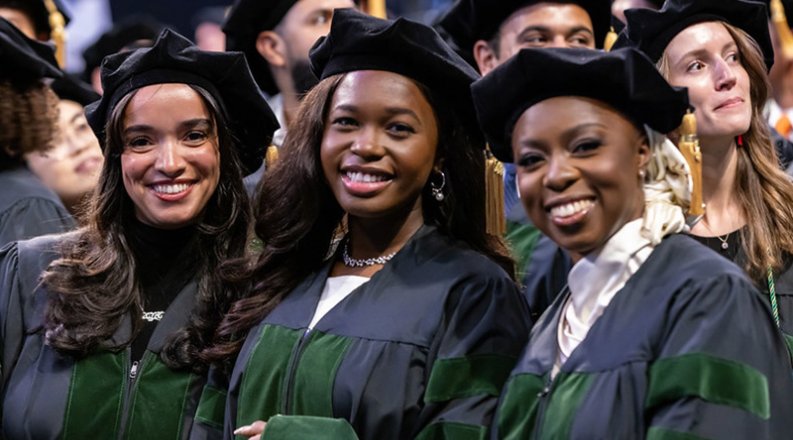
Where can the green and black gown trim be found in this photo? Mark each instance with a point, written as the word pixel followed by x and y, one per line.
pixel 47 395
pixel 421 351
pixel 686 349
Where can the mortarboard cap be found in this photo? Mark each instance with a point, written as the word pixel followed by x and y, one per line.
pixel 25 60
pixel 624 78
pixel 125 35
pixel 361 42
pixel 468 21
pixel 245 21
pixel 651 31
pixel 38 13
pixel 71 88
pixel 174 59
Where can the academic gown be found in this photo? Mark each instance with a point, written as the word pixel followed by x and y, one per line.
pixel 686 349
pixel 783 280
pixel 421 350
pixel 47 395
pixel 28 208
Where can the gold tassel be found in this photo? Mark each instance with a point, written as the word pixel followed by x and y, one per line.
pixel 58 34
pixel 271 156
pixel 611 38
pixel 375 8
pixel 494 195
pixel 689 146
pixel 783 30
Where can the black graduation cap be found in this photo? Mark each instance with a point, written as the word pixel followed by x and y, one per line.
pixel 624 78
pixel 124 34
pixel 245 21
pixel 209 14
pixel 74 89
pixel 38 13
pixel 174 59
pixel 361 42
pixel 651 31
pixel 25 60
pixel 468 21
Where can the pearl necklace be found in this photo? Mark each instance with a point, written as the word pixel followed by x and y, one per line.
pixel 353 262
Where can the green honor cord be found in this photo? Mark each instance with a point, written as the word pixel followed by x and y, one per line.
pixel 772 295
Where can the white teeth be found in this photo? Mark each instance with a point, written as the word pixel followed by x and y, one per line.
pixel 365 178
pixel 569 209
pixel 171 189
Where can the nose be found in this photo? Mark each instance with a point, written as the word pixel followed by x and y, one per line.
pixel 169 159
pixel 367 144
pixel 558 41
pixel 560 173
pixel 725 76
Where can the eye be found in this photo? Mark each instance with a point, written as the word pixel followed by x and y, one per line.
pixel 534 39
pixel 733 57
pixel 344 122
pixel 137 142
pixel 400 129
pixel 587 146
pixel 321 18
pixel 580 40
pixel 695 66
pixel 195 137
pixel 529 161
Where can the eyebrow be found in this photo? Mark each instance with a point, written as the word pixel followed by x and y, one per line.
pixel 540 28
pixel 702 51
pixel 190 123
pixel 570 132
pixel 392 111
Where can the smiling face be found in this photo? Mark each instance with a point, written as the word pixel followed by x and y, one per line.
pixel 578 170
pixel 170 163
pixel 379 144
pixel 71 167
pixel 705 59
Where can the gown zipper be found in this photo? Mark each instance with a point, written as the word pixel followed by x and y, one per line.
pixel 542 402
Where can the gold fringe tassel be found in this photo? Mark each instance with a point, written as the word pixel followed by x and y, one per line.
pixel 782 28
pixel 375 8
pixel 494 195
pixel 271 156
pixel 58 33
pixel 689 146
pixel 611 38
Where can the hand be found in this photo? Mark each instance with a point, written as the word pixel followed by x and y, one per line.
pixel 253 431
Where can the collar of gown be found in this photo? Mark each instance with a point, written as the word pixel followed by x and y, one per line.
pixel 595 279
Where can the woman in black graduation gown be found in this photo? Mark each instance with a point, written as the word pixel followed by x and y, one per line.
pixel 721 51
pixel 101 328
pixel 28 114
pixel 655 336
pixel 407 326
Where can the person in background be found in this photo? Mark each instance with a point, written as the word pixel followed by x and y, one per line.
pixel 405 324
pixel 28 114
pixel 207 28
pixel 110 319
pixel 71 167
pixel 129 34
pixel 722 53
pixel 275 36
pixel 655 336
pixel 618 7
pixel 779 108
pixel 32 17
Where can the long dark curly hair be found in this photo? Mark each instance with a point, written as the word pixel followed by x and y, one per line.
pixel 28 115
pixel 94 284
pixel 298 214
